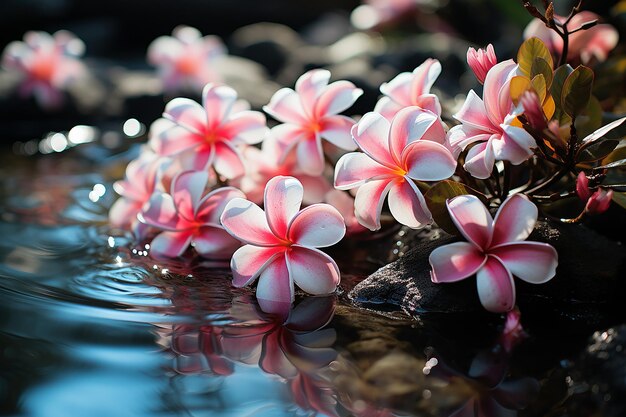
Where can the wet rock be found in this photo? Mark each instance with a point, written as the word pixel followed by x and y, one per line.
pixel 598 381
pixel 588 276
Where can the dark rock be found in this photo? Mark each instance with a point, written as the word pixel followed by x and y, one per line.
pixel 598 378
pixel 589 276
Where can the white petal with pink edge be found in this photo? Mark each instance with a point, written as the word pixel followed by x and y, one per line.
pixel 319 225
pixel 407 204
pixel 455 262
pixel 424 76
pixel 187 190
pixel 310 156
pixel 282 200
pixel 186 113
pixel 335 98
pixel 309 87
pixel 354 168
pixel 228 161
pixel 497 101
pixel 214 243
pixel 398 89
pixel 532 262
pixel 160 212
pixel 246 127
pixel 246 221
pixel 471 219
pixel 275 283
pixel 496 288
pixel 515 145
pixel 473 114
pixel 170 243
pixel 409 125
pixel 249 261
pixel 369 200
pixel 371 133
pixel 285 106
pixel 173 140
pixel 428 161
pixel 336 130
pixel 480 159
pixel 217 101
pixel 313 271
pixel 212 205
pixel 514 220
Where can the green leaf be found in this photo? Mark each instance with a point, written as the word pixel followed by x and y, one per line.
pixel 597 151
pixel 560 75
pixel 436 199
pixel 540 66
pixel 531 49
pixel 576 91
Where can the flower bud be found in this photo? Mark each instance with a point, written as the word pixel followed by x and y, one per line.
pixel 533 111
pixel 599 202
pixel 481 61
pixel 582 187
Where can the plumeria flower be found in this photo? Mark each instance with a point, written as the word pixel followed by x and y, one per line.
pixel 495 250
pixel 411 89
pixel 488 123
pixel 189 216
pixel 208 135
pixel 281 244
pixel 310 114
pixel 481 61
pixel 46 63
pixel 264 164
pixel 595 42
pixel 186 60
pixel 394 155
pixel 135 190
pixel 595 202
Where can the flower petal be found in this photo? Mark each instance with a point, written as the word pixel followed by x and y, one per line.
pixel 249 261
pixel 123 212
pixel 454 262
pixel 496 288
pixel 186 113
pixel 246 221
pixel 497 101
pixel 212 205
pixel 480 160
pixel 161 213
pixel 398 89
pixel 371 133
pixel 311 156
pixel 424 77
pixel 472 219
pixel 354 168
pixel 369 200
pixel 282 200
pixel 275 288
pixel 514 220
pixel 214 243
pixel 167 138
pixel 285 137
pixel 336 130
pixel 217 101
pixel 387 107
pixel 407 204
pixel 515 145
pixel 187 189
pixel 337 97
pixel 246 127
pixel 473 114
pixel 310 85
pixel 170 243
pixel 313 271
pixel 409 125
pixel 428 161
pixel 533 262
pixel 285 106
pixel 228 161
pixel 319 225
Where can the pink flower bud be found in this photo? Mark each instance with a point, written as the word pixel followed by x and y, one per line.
pixel 582 187
pixel 599 202
pixel 533 111
pixel 481 61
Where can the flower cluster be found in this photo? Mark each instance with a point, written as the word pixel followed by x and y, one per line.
pixel 221 178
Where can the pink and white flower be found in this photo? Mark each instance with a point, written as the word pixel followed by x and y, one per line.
pixel 488 122
pixel 207 136
pixel 595 42
pixel 310 114
pixel 495 250
pixel 46 63
pixel 190 216
pixel 186 60
pixel 135 190
pixel 481 61
pixel 281 244
pixel 264 164
pixel 394 155
pixel 411 89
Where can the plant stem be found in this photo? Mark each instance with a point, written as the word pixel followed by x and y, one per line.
pixel 553 179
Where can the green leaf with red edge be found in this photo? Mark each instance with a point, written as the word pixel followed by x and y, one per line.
pixel 531 49
pixel 437 196
pixel 576 91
